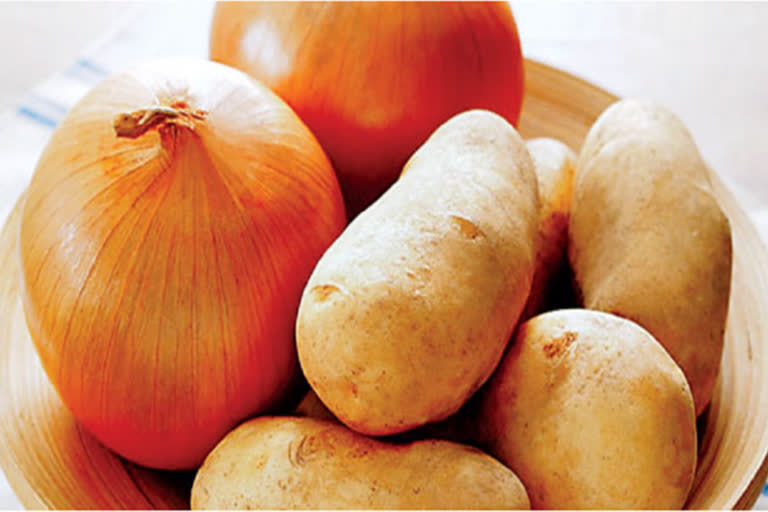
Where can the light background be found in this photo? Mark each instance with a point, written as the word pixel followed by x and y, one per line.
pixel 705 61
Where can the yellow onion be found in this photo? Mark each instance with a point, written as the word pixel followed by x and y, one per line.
pixel 168 231
pixel 373 80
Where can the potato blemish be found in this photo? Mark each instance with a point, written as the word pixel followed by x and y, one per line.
pixel 466 227
pixel 323 291
pixel 559 345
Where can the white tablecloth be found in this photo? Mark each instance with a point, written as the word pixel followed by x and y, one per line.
pixel 702 60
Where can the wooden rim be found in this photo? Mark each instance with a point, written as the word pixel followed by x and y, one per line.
pixel 51 462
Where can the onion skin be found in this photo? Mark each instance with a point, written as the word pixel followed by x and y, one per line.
pixel 161 273
pixel 374 80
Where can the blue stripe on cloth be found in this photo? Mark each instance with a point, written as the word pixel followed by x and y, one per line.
pixel 765 490
pixel 86 71
pixel 50 103
pixel 36 116
pixel 87 64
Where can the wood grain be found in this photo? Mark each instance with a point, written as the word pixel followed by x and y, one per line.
pixel 52 463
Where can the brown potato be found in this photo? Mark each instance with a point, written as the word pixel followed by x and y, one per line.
pixel 311 407
pixel 592 413
pixel 554 163
pixel 648 240
pixel 409 311
pixel 303 463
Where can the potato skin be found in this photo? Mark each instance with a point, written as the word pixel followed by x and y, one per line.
pixel 592 413
pixel 303 463
pixel 648 240
pixel 555 166
pixel 311 407
pixel 409 311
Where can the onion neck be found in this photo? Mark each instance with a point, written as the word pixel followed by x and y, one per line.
pixel 135 124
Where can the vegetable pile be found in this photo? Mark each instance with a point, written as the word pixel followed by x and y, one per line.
pixel 503 323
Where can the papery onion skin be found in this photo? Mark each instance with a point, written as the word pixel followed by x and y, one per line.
pixel 374 80
pixel 161 274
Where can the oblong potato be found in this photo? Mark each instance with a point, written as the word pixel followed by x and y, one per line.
pixel 648 240
pixel 409 311
pixel 303 463
pixel 554 163
pixel 591 413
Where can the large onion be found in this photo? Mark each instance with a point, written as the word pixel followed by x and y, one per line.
pixel 373 80
pixel 166 237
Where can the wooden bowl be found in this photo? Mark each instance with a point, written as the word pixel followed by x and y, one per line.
pixel 52 463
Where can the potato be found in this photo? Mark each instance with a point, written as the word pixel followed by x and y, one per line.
pixel 303 463
pixel 648 240
pixel 311 407
pixel 554 163
pixel 409 311
pixel 457 428
pixel 592 413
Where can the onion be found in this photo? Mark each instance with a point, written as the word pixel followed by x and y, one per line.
pixel 373 80
pixel 168 231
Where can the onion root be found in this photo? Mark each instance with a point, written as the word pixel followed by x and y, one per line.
pixel 137 123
